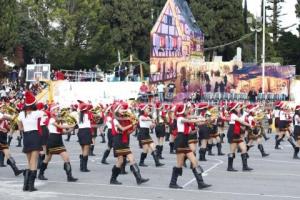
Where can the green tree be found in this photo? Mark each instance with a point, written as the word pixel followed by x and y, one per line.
pixel 298 13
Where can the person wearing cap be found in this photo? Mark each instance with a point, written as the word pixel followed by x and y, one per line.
pixel 55 145
pixel 235 139
pixel 4 148
pixel 108 123
pixel 255 134
pixel 296 122
pixel 160 117
pixel 148 146
pixel 121 146
pixel 29 122
pixel 183 150
pixel 74 114
pixel 84 134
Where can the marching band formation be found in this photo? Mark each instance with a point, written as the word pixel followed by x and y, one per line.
pixel 185 126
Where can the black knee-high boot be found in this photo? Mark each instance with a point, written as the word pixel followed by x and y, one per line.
pixel 81 162
pixel 123 166
pixel 68 169
pixel 219 146
pixel 19 138
pixel 198 175
pixel 42 171
pixel 156 159
pixel 202 152
pixel 161 147
pixel 209 149
pixel 296 151
pixel 91 152
pixel 68 137
pixel 26 179
pixel 31 181
pixel 105 155
pixel 171 144
pixel 291 141
pixel 40 160
pixel 12 163
pixel 244 161
pixel 277 142
pixel 9 139
pixel 222 137
pixel 175 173
pixel 85 162
pixel 142 160
pixel 115 173
pixel 231 157
pixel 103 138
pixel 2 159
pixel 262 151
pixel 137 174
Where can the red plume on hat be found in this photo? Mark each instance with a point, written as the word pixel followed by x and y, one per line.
pixel 233 106
pixel 29 98
pixel 202 105
pixel 40 106
pixel 82 106
pixel 158 105
pixel 143 106
pixel 297 107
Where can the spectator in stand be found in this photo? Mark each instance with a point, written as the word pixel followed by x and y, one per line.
pixel 123 70
pixel 216 87
pixel 21 76
pixel 144 88
pixel 161 91
pixel 171 89
pixel 225 80
pixel 52 75
pixel 208 87
pixel 185 85
pixel 14 75
pixel 260 90
pixel 222 87
pixel 3 94
pixel 252 95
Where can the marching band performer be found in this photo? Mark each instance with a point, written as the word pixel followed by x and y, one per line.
pixel 29 121
pixel 235 138
pixel 121 146
pixel 145 124
pixel 84 134
pixel 4 148
pixel 296 122
pixel 203 132
pixel 277 119
pixel 108 122
pixel 255 134
pixel 55 145
pixel 160 126
pixel 172 128
pixel 183 150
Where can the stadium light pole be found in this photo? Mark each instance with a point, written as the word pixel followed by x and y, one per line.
pixel 263 56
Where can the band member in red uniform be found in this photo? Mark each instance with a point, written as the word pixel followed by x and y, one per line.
pixel 160 126
pixel 29 121
pixel 277 119
pixel 108 123
pixel 45 132
pixel 203 132
pixel 55 145
pixel 121 146
pixel 4 149
pixel 172 128
pixel 145 124
pixel 296 121
pixel 235 139
pixel 84 134
pixel 183 150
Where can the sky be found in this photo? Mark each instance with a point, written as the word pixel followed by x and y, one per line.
pixel 288 8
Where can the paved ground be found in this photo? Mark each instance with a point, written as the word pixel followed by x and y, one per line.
pixel 275 177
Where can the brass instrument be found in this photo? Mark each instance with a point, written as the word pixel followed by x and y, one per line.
pixel 14 113
pixel 259 116
pixel 66 117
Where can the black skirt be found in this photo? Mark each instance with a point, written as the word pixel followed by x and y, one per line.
pixel 32 141
pixel 204 132
pixel 160 130
pixel 297 133
pixel 283 125
pixel 231 137
pixel 45 135
pixel 109 139
pixel 84 136
pixel 277 122
pixel 270 121
pixel 181 144
pixel 192 138
pixel 55 144
pixel 3 141
pixel 120 148
pixel 144 136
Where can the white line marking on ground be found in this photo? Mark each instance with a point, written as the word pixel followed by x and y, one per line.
pixel 205 172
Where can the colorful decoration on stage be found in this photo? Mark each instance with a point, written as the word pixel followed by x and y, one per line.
pixel 177 43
